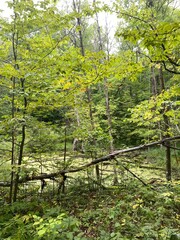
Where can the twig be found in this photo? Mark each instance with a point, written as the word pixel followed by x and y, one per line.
pixel 134 175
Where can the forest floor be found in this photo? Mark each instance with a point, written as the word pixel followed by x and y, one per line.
pixel 129 210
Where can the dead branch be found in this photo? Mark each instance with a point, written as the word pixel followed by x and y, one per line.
pixel 133 174
pixel 93 162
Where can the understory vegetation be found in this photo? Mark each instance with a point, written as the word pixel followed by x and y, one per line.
pixel 141 206
pixel 129 211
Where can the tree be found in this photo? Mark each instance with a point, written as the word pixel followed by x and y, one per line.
pixel 151 30
pixel 25 70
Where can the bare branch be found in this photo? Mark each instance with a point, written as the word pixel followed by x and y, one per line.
pixel 93 162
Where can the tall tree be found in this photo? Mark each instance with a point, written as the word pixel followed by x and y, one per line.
pixel 77 9
pixel 106 91
pixel 151 30
pixel 26 71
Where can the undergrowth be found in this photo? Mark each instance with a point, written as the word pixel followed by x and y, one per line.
pixel 128 211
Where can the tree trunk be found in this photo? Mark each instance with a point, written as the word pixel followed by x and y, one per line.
pixel 108 113
pixel 12 142
pixel 107 102
pixel 65 152
pixel 153 82
pixel 13 79
pixel 23 136
pixel 88 90
pixel 166 127
pixel 16 183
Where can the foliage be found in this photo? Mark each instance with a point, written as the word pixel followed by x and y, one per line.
pixel 150 114
pixel 153 34
pixel 60 82
pixel 129 211
pixel 52 225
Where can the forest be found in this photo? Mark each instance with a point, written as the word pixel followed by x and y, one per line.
pixel 90 120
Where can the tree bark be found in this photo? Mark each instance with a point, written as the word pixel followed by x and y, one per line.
pixel 153 82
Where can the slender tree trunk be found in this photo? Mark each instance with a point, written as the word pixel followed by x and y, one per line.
pixel 65 152
pixel 166 127
pixel 77 143
pixel 13 79
pixel 153 82
pixel 107 102
pixel 19 164
pixel 154 91
pixel 12 141
pixel 108 113
pixel 23 136
pixel 88 90
pixel 94 155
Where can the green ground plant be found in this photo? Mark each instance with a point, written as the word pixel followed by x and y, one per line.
pixel 128 211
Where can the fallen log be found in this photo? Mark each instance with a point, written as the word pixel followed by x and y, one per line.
pixel 108 157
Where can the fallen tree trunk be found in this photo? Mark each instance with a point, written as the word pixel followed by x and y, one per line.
pixel 93 162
